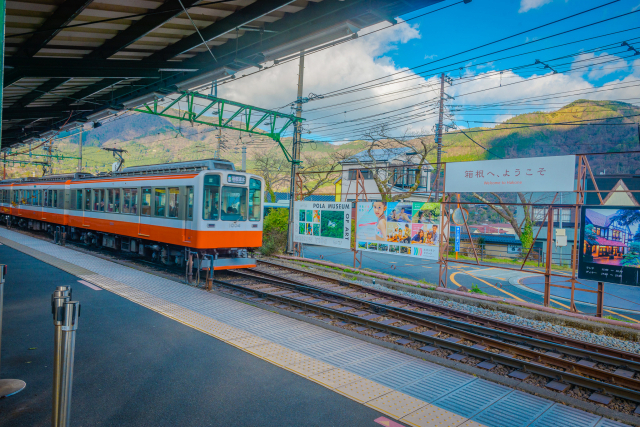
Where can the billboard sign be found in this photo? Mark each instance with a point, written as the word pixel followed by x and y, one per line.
pixel 610 244
pixel 534 174
pixel 401 228
pixel 323 223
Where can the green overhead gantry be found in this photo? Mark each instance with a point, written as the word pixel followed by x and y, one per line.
pixel 197 104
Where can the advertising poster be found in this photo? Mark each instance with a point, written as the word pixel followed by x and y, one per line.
pixel 610 244
pixel 401 228
pixel 323 223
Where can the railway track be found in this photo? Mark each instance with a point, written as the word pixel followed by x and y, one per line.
pixel 607 376
pixel 445 315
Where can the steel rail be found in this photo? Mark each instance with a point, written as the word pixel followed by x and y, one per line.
pixel 483 331
pixel 594 349
pixel 413 317
pixel 524 366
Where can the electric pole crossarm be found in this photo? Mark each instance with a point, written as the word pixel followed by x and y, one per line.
pixel 225 117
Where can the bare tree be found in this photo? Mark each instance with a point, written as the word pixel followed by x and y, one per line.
pixel 524 228
pixel 387 178
pixel 318 169
pixel 273 168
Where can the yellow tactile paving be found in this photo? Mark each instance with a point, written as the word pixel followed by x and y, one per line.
pixel 310 367
pixel 432 416
pixel 287 358
pixel 472 424
pixel 267 350
pixel 396 404
pixel 364 390
pixel 250 341
pixel 335 378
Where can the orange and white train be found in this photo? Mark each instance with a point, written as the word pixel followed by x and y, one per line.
pixel 166 212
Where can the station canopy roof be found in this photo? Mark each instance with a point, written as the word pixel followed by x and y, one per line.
pixel 70 61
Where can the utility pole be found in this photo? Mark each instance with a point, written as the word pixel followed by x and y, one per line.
pixel 50 158
pixel 439 135
pixel 80 151
pixel 295 155
pixel 244 157
pixel 216 153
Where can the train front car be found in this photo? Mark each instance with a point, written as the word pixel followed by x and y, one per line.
pixel 228 218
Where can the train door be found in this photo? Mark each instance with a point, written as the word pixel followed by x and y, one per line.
pixel 87 207
pixel 187 231
pixel 144 228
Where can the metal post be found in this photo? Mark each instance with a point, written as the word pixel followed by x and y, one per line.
pixel 216 153
pixel 295 153
pixel 244 158
pixel 69 328
pixel 547 270
pixel 80 151
pixel 7 387
pixel 60 296
pixel 600 299
pixel 439 136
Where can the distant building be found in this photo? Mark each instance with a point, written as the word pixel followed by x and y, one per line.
pixel 402 163
pixel 492 229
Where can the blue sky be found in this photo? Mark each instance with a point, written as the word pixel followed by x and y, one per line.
pixel 386 88
pixel 588 70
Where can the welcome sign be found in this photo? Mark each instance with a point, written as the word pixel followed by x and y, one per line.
pixel 534 174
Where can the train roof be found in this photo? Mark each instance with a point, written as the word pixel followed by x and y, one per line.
pixel 192 166
pixel 159 169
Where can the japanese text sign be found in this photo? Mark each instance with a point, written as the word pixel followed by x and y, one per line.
pixel 531 174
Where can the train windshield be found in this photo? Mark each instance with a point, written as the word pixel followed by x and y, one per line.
pixel 234 203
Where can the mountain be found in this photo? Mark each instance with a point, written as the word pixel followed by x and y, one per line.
pixel 152 139
pixel 517 137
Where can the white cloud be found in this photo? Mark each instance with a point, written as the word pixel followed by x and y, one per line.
pixel 527 5
pixel 365 59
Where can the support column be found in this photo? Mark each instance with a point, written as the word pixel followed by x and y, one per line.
pixel 3 13
pixel 295 154
pixel 439 137
pixel 547 270
pixel 600 299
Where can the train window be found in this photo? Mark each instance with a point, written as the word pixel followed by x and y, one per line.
pixel 87 199
pixel 134 201
pixel 126 200
pixel 254 199
pixel 116 200
pixel 47 193
pixel 27 197
pixel 160 201
pixel 78 199
pixel 146 202
pixel 174 202
pixel 54 200
pixel 99 200
pixel 110 200
pixel 211 198
pixel 16 197
pixel 234 203
pixel 189 202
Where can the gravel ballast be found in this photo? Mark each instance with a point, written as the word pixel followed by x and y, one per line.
pixel 603 340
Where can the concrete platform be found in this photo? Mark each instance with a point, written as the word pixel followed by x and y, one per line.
pixel 152 351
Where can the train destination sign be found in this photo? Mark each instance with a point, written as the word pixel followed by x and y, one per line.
pixel 323 223
pixel 533 174
pixel 610 244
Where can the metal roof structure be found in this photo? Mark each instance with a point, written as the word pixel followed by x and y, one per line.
pixel 69 61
